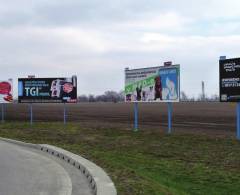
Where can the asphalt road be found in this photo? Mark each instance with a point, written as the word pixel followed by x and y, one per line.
pixel 25 171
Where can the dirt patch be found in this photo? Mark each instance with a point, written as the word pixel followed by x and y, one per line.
pixel 198 117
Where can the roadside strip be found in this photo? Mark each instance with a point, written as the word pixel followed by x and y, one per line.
pixel 99 181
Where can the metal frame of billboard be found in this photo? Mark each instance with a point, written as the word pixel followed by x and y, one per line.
pixel 156 68
pixel 232 81
pixel 166 66
pixel 47 90
pixel 6 91
pixel 60 89
pixel 229 80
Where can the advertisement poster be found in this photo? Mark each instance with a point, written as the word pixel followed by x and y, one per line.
pixel 47 90
pixel 6 91
pixel 156 84
pixel 229 81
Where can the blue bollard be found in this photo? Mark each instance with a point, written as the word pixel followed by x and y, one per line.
pixel 31 114
pixel 64 114
pixel 169 117
pixel 2 113
pixel 238 120
pixel 135 116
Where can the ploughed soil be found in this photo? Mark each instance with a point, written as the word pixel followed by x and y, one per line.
pixel 211 118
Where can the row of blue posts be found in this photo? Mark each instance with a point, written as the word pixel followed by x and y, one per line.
pixel 170 108
pixel 238 120
pixel 135 116
pixel 169 104
pixel 31 113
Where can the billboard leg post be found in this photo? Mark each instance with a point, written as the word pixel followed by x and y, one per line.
pixel 169 117
pixel 64 114
pixel 135 116
pixel 2 113
pixel 238 120
pixel 31 114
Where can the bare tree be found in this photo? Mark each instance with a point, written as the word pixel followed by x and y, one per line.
pixel 183 96
pixel 82 98
pixel 91 98
pixel 108 96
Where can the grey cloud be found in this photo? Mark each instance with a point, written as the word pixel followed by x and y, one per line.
pixel 74 12
pixel 101 14
pixel 96 40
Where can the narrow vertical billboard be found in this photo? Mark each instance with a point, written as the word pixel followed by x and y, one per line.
pixel 6 91
pixel 229 81
pixel 155 84
pixel 47 90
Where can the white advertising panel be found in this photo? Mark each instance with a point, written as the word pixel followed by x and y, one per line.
pixel 155 84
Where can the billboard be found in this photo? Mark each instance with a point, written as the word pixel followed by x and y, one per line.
pixel 6 91
pixel 229 81
pixel 155 84
pixel 47 90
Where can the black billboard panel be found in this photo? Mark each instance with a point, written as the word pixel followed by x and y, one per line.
pixel 229 72
pixel 47 90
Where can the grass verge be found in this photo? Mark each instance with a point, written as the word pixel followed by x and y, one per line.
pixel 145 162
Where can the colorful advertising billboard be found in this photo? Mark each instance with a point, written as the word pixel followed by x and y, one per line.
pixel 229 81
pixel 6 91
pixel 47 90
pixel 155 84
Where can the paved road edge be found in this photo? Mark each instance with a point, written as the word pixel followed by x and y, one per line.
pixel 98 179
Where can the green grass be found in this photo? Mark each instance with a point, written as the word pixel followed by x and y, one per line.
pixel 145 162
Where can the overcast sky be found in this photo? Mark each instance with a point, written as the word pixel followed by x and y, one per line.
pixel 96 40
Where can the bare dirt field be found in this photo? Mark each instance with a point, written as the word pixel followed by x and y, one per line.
pixel 216 119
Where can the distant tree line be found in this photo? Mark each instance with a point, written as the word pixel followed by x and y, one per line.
pixel 108 96
pixel 185 98
pixel 113 96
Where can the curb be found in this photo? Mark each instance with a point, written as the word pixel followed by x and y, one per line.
pixel 99 181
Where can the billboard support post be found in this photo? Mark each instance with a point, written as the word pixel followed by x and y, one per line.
pixel 31 114
pixel 238 120
pixel 135 116
pixel 64 114
pixel 169 117
pixel 229 85
pixel 2 107
pixel 153 84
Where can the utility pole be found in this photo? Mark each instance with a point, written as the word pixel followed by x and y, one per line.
pixel 203 91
